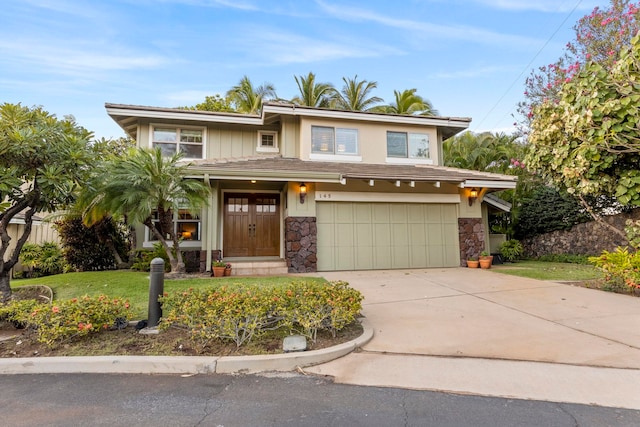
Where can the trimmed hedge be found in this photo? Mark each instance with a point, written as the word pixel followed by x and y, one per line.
pixel 243 312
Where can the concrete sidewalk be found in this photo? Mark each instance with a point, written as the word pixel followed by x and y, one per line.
pixel 480 332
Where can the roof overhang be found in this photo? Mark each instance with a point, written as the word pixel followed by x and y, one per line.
pixel 490 183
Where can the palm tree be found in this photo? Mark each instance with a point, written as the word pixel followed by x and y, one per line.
pixel 407 102
pixel 144 183
pixel 247 99
pixel 313 94
pixel 354 95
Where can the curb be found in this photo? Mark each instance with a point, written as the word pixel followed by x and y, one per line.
pixel 182 364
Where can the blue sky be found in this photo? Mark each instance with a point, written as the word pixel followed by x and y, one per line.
pixel 468 57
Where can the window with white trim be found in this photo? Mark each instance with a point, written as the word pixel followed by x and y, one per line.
pixel 185 225
pixel 405 145
pixel 173 139
pixel 336 141
pixel 267 142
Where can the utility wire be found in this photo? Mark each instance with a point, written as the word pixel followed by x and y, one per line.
pixel 528 66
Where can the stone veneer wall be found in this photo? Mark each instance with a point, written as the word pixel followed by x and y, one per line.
pixel 301 237
pixel 589 238
pixel 215 254
pixel 471 234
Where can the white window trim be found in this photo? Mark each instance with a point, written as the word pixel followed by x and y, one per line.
pixel 409 161
pixel 335 157
pixel 168 125
pixel 274 149
pixel 355 157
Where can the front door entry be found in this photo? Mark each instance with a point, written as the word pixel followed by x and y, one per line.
pixel 251 225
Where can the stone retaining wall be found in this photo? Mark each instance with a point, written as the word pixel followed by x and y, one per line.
pixel 589 238
pixel 301 237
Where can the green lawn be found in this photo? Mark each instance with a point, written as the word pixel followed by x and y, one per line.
pixel 557 271
pixel 134 286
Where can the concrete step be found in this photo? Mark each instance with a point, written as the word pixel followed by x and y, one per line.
pixel 259 268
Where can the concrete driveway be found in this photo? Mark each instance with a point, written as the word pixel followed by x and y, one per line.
pixel 478 331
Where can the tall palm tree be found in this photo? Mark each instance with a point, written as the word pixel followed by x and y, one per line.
pixel 407 102
pixel 144 183
pixel 355 95
pixel 248 99
pixel 313 94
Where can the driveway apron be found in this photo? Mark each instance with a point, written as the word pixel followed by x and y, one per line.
pixel 477 331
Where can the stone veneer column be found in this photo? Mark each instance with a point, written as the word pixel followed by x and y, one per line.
pixel 301 236
pixel 471 234
pixel 215 254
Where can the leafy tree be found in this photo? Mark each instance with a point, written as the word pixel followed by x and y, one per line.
pixel 355 95
pixel 313 94
pixel 90 248
pixel 486 151
pixel 213 103
pixel 587 142
pixel 407 102
pixel 599 37
pixel 546 210
pixel 43 160
pixel 143 184
pixel 245 98
pixel 111 147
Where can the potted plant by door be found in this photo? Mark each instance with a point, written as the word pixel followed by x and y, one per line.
pixel 486 260
pixel 472 262
pixel 218 268
pixel 227 269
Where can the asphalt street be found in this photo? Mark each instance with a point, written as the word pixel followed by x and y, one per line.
pixel 283 399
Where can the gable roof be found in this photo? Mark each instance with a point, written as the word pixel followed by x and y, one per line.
pixel 127 116
pixel 279 168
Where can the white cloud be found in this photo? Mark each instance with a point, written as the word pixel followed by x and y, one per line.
pixel 279 47
pixel 231 4
pixel 555 6
pixel 78 59
pixel 425 29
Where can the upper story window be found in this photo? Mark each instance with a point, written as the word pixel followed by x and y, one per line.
pixel 403 145
pixel 336 141
pixel 172 140
pixel 267 142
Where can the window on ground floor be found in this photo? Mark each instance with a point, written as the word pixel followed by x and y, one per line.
pixel 185 225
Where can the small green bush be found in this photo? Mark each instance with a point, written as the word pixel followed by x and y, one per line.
pixel 240 313
pixel 42 260
pixel 143 258
pixel 65 320
pixel 621 269
pixel 511 250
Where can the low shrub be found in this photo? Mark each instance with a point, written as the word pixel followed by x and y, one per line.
pixel 565 258
pixel 42 260
pixel 143 257
pixel 241 313
pixel 621 269
pixel 511 250
pixel 64 320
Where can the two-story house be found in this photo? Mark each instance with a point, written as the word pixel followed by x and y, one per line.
pixel 321 189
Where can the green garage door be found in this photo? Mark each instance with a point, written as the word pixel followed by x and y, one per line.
pixel 369 236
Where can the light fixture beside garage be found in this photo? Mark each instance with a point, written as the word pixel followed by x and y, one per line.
pixel 303 192
pixel 473 195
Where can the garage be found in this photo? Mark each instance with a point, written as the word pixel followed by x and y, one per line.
pixel 369 236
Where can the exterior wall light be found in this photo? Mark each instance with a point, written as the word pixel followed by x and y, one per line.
pixel 303 193
pixel 473 195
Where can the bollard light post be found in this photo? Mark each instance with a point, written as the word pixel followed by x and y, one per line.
pixel 156 289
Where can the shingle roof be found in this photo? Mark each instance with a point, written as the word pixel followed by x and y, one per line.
pixel 279 164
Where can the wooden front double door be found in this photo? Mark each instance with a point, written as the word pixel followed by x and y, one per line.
pixel 251 225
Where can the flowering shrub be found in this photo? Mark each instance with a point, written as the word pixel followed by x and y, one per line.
pixel 64 320
pixel 240 313
pixel 621 269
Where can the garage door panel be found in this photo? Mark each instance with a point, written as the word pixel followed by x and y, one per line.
pixel 359 236
pixel 381 214
pixel 417 235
